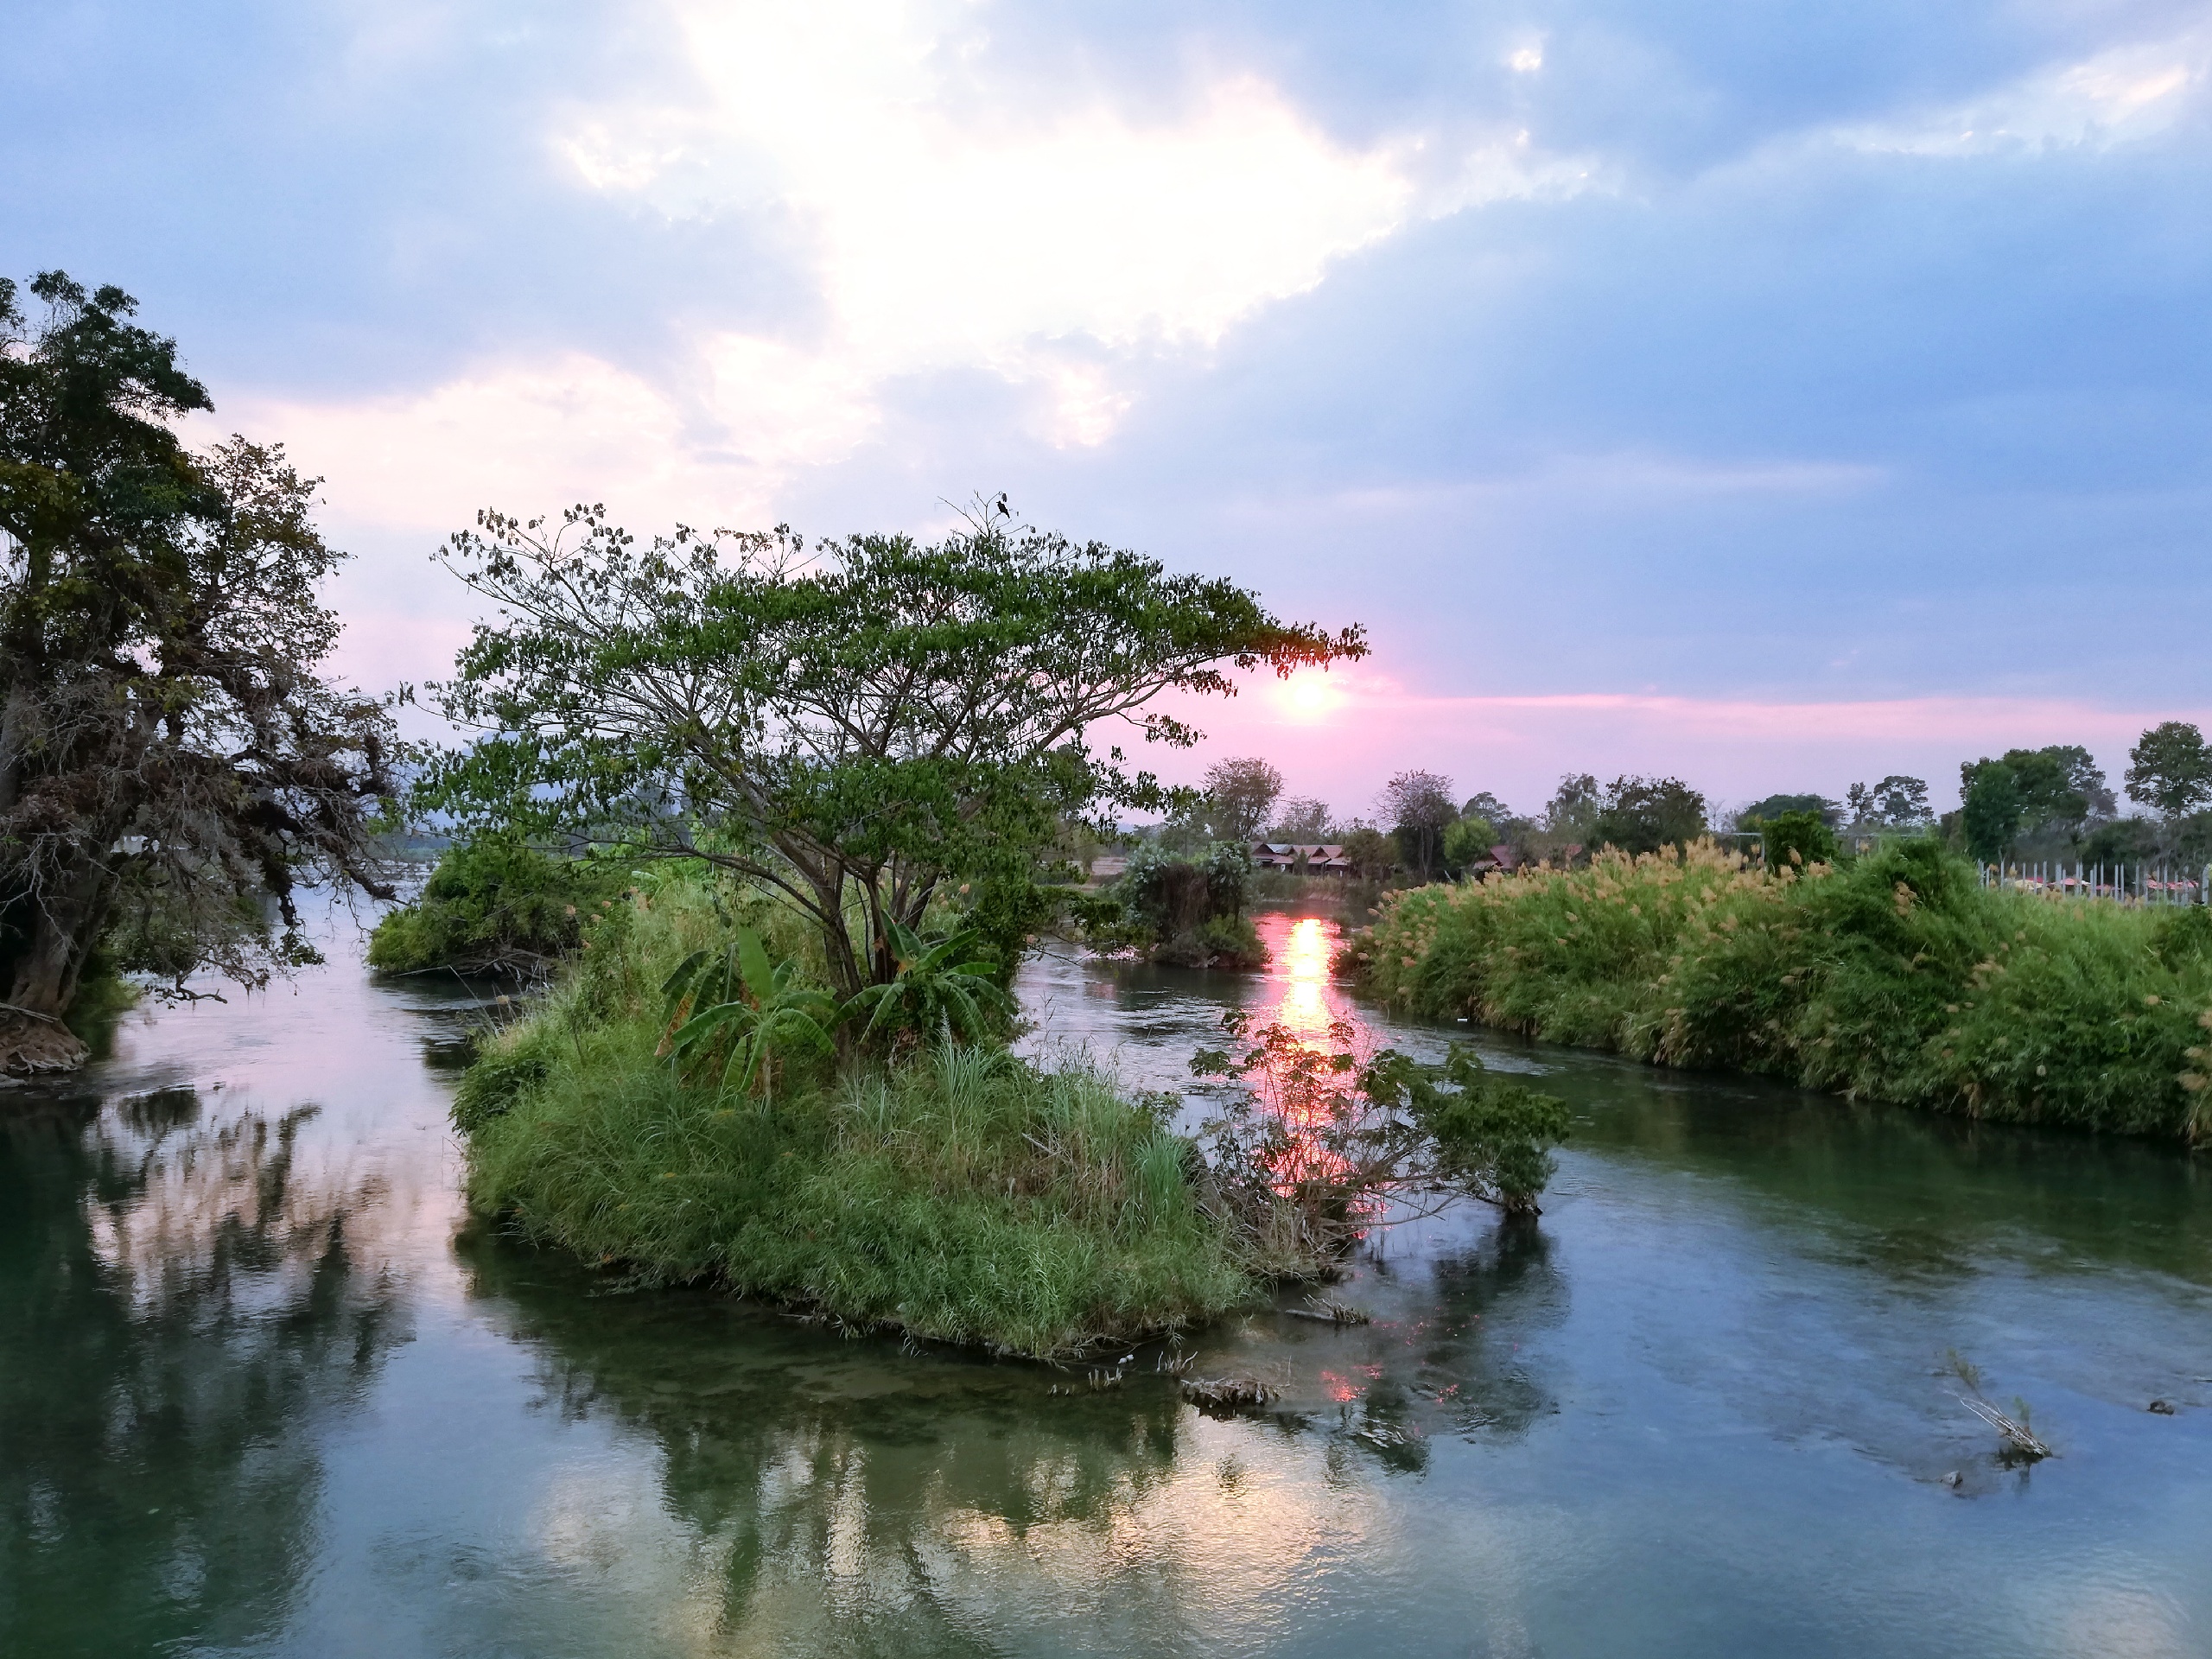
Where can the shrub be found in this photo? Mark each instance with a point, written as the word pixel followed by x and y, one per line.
pixel 1897 978
pixel 1799 838
pixel 492 905
pixel 1186 910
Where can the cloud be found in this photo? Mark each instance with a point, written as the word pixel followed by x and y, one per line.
pixel 951 221
pixel 2124 94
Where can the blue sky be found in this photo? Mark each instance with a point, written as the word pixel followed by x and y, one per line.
pixel 1775 394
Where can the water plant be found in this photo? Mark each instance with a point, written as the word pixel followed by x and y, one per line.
pixel 1324 1142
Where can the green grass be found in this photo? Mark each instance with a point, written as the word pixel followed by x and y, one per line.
pixel 961 1195
pixel 1894 978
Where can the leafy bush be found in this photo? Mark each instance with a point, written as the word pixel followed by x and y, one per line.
pixel 492 905
pixel 1798 838
pixel 1186 910
pixel 1325 1138
pixel 943 986
pixel 1897 978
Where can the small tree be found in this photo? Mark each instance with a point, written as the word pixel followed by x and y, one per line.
pixel 1989 811
pixel 172 764
pixel 1760 812
pixel 2170 769
pixel 1372 854
pixel 1239 796
pixel 859 728
pixel 1324 1136
pixel 1300 818
pixel 1797 839
pixel 1417 807
pixel 1896 803
pixel 1642 815
pixel 1468 842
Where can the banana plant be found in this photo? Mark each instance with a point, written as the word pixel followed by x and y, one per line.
pixel 940 985
pixel 734 1005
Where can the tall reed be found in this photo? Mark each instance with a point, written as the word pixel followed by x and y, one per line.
pixel 1895 977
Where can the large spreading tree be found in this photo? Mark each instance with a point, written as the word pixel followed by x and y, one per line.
pixel 861 727
pixel 173 765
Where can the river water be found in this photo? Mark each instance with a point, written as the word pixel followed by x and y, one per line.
pixel 263 1389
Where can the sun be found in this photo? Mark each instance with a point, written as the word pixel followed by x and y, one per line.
pixel 1308 698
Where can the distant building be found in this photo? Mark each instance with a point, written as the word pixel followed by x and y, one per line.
pixel 1315 858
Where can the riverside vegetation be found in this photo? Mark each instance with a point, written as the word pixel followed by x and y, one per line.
pixel 947 1189
pixel 1893 978
pixel 842 777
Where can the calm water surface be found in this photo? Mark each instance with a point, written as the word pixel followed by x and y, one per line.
pixel 262 1390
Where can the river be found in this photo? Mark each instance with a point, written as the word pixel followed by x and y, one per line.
pixel 264 1389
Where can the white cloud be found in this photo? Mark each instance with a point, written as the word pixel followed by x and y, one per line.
pixel 947 223
pixel 951 224
pixel 2119 96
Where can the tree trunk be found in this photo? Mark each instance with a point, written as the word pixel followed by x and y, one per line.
pixel 34 1040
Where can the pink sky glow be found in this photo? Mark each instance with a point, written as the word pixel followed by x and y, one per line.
pixel 1338 736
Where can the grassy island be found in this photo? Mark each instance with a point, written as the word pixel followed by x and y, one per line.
pixel 1895 977
pixel 957 1192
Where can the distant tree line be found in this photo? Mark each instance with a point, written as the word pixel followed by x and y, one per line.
pixel 2046 804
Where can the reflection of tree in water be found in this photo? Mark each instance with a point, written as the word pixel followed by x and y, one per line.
pixel 843 1483
pixel 1449 1361
pixel 177 1304
pixel 856 1498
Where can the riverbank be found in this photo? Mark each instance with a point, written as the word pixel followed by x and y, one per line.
pixel 963 1195
pixel 1896 978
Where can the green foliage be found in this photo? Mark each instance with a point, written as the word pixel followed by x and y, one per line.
pixel 943 988
pixel 1187 910
pixel 1417 806
pixel 1896 978
pixel 2170 769
pixel 492 905
pixel 961 1194
pixel 1487 1136
pixel 2027 793
pixel 1322 1137
pixel 1642 815
pixel 172 762
pixel 1763 812
pixel 1990 808
pixel 2122 841
pixel 1372 854
pixel 1798 838
pixel 1238 795
pixel 734 1010
pixel 862 728
pixel 1896 803
pixel 1468 842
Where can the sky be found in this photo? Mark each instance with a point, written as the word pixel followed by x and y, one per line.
pixel 1773 394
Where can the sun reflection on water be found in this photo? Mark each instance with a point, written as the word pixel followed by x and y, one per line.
pixel 1299 963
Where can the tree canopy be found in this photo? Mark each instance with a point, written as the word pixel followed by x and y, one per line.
pixel 2056 790
pixel 2170 769
pixel 1896 803
pixel 862 726
pixel 170 758
pixel 1240 794
pixel 1642 815
pixel 1417 807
